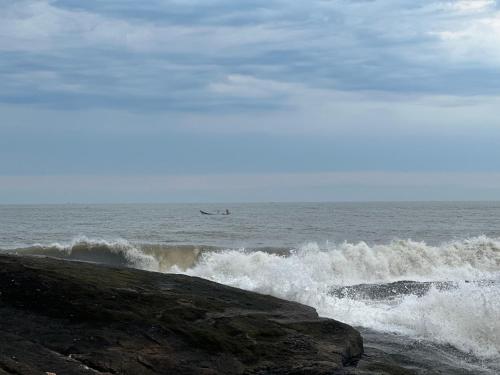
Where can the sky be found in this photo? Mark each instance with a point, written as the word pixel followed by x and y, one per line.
pixel 223 100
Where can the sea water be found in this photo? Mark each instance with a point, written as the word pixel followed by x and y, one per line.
pixel 420 280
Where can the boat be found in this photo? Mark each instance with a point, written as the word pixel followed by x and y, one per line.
pixel 224 213
pixel 206 213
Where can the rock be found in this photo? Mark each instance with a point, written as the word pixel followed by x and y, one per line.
pixel 390 290
pixel 80 318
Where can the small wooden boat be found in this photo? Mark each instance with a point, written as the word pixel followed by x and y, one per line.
pixel 206 213
pixel 226 212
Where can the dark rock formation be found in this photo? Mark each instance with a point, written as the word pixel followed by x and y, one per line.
pixel 79 318
pixel 390 290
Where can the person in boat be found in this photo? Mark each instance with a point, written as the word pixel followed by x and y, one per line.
pixel 227 212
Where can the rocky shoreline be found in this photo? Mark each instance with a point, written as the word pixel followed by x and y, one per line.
pixel 67 317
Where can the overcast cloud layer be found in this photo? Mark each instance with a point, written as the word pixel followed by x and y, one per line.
pixel 170 87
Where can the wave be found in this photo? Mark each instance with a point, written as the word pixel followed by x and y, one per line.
pixel 330 264
pixel 438 306
pixel 347 264
pixel 120 252
pixel 465 316
pixel 447 310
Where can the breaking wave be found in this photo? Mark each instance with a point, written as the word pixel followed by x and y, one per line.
pixel 454 297
pixel 120 252
pixel 462 314
pixel 338 264
pixel 346 264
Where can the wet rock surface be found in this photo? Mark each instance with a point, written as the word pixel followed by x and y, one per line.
pixel 80 318
pixel 390 290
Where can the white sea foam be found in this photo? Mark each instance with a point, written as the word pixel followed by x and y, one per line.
pixel 466 317
pixel 116 251
pixel 346 264
pixel 149 257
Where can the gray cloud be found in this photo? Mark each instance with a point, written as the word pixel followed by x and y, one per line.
pixel 169 55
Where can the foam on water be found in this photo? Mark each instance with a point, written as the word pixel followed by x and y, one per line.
pixel 113 252
pixel 465 316
pixel 346 264
pixel 119 252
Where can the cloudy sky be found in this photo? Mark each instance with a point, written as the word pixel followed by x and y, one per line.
pixel 255 100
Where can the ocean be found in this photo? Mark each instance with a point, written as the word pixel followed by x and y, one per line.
pixel 421 281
